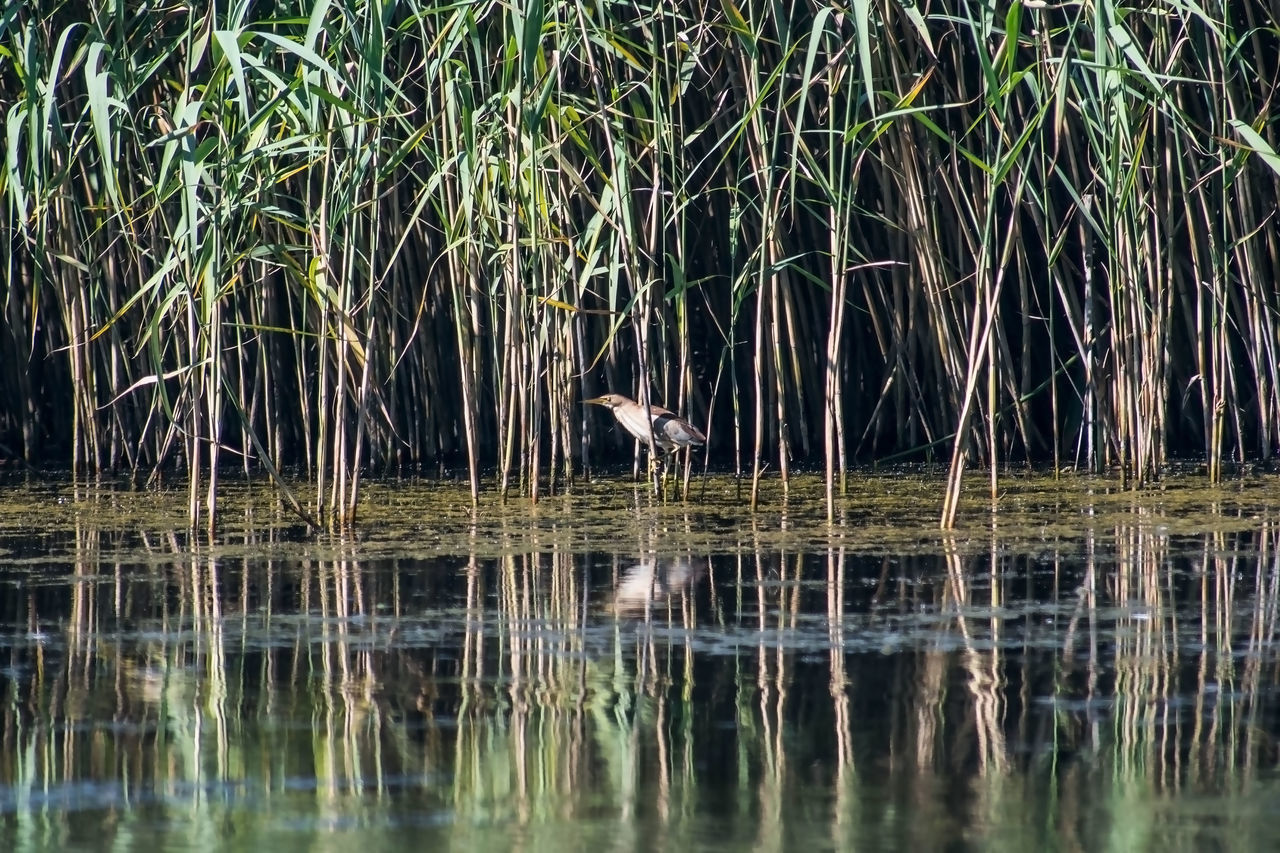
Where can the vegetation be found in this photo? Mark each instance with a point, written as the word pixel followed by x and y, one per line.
pixel 353 236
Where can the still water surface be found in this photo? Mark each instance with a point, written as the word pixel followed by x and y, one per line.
pixel 1088 669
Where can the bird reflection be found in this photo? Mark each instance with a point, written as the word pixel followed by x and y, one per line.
pixel 655 583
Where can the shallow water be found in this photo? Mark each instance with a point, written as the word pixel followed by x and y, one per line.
pixel 1090 668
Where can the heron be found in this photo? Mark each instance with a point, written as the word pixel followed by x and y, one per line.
pixel 670 431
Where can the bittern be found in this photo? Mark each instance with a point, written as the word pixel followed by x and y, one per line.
pixel 670 431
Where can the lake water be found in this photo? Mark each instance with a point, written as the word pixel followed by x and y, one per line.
pixel 1089 668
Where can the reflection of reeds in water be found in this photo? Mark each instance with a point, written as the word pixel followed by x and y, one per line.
pixel 1186 695
pixel 559 689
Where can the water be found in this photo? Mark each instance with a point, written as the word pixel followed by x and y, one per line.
pixel 1090 669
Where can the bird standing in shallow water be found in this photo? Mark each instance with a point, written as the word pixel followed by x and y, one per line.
pixel 670 431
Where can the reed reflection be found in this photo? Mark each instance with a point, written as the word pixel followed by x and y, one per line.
pixel 755 695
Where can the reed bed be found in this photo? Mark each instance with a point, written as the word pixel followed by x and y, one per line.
pixel 343 238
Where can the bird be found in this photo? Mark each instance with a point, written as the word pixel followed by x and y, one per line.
pixel 670 431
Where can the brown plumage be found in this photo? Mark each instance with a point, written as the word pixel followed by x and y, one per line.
pixel 670 431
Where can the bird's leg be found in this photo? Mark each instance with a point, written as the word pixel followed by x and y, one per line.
pixel 655 472
pixel 667 470
pixel 658 472
pixel 662 471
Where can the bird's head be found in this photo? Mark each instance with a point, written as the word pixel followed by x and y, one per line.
pixel 609 401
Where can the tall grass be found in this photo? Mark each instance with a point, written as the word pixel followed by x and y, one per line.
pixel 350 237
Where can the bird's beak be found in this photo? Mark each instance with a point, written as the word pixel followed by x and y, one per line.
pixel 596 401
